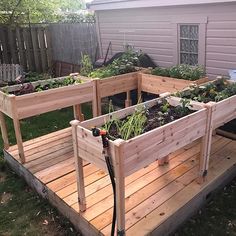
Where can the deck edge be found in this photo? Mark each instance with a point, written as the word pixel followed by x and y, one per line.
pixel 76 219
pixel 172 223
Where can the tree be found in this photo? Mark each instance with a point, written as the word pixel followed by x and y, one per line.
pixel 41 11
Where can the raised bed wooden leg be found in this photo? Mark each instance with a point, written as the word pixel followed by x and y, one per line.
pixel 166 159
pixel 78 115
pixel 78 168
pixel 95 102
pixel 139 87
pixel 128 101
pixel 19 141
pixel 163 160
pixel 120 188
pixel 202 160
pixel 205 147
pixel 4 131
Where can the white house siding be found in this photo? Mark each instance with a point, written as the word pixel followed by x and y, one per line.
pixel 153 32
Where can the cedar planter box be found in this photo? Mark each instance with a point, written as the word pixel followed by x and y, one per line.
pixel 114 85
pixel 142 82
pixel 160 84
pixel 136 153
pixel 219 114
pixel 31 104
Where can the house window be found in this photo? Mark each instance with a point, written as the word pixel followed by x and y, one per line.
pixel 188 44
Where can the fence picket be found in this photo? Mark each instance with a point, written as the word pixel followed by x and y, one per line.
pixel 5 53
pixel 36 52
pixel 35 46
pixel 48 47
pixel 21 48
pixel 42 47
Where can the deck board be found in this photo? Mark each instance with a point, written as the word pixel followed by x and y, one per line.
pixel 154 195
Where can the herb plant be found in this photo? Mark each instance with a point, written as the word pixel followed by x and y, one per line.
pixel 182 71
pixel 56 83
pixel 125 64
pixel 144 120
pixel 215 91
pixel 86 65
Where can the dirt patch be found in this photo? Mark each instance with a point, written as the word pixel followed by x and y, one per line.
pixel 50 228
pixel 5 198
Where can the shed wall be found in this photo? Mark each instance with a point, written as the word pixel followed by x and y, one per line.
pixel 153 31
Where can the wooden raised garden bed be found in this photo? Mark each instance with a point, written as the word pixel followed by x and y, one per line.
pixel 35 103
pixel 129 156
pixel 160 84
pixel 114 85
pixel 221 112
pixel 142 82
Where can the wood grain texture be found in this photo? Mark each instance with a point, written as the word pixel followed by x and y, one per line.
pixel 149 192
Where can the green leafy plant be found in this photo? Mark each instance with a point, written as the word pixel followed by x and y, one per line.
pixel 125 64
pixel 133 125
pixel 182 71
pixel 56 83
pixel 144 120
pixel 86 65
pixel 130 127
pixel 184 107
pixel 215 91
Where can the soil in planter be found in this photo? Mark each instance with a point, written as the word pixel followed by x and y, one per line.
pixel 29 88
pixel 215 91
pixel 144 120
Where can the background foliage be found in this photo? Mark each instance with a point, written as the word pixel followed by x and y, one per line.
pixel 43 11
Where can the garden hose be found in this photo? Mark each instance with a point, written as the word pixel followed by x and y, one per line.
pixel 113 183
pixel 96 133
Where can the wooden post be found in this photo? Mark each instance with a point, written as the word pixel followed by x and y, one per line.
pixel 210 106
pixel 163 160
pixel 120 186
pixel 78 168
pixel 16 123
pixel 95 102
pixel 78 115
pixel 205 146
pixel 128 101
pixel 4 131
pixel 214 132
pixel 139 87
pixel 99 102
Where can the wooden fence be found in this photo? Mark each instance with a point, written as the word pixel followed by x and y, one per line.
pixel 9 72
pixel 28 46
pixel 35 47
pixel 72 40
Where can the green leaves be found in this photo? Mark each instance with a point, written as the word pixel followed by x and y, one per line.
pixel 125 64
pixel 215 91
pixel 127 128
pixel 182 71
pixel 86 65
pixel 43 11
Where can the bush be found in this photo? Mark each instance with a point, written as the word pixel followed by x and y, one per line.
pixel 182 71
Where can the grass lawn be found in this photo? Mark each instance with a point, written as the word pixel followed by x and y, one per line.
pixel 23 212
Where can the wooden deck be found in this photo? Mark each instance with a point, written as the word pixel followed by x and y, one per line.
pixel 158 199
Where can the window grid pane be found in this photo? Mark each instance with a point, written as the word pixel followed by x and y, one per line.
pixel 189 44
